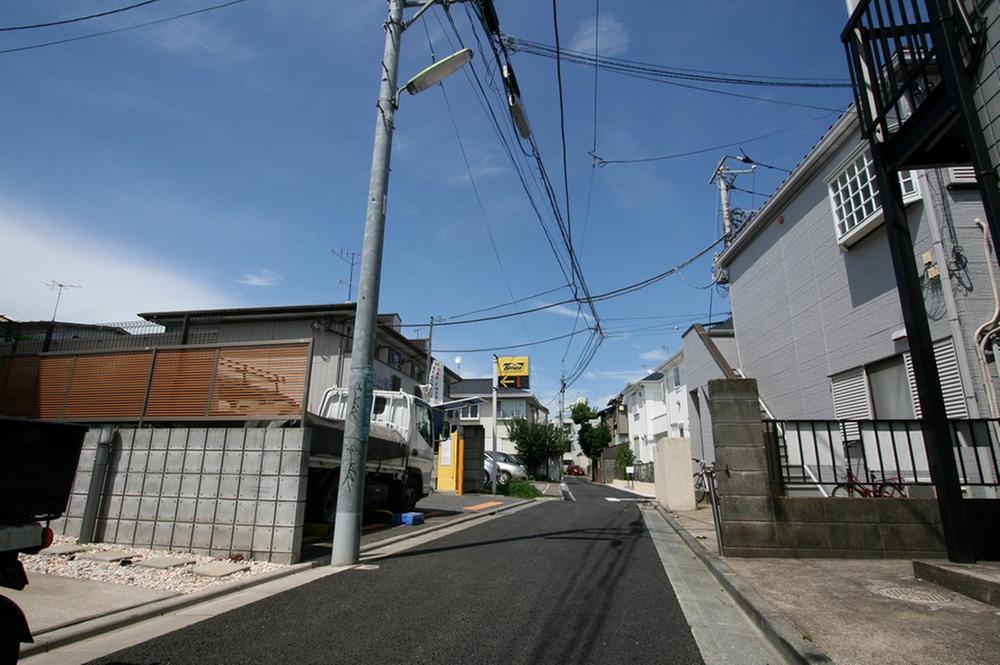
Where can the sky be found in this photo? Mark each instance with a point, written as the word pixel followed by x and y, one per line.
pixel 221 159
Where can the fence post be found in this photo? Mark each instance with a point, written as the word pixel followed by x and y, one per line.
pixel 98 481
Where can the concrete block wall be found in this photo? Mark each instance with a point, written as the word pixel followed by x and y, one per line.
pixel 216 491
pixel 757 522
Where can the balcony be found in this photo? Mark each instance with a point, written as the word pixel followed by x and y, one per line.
pixel 893 49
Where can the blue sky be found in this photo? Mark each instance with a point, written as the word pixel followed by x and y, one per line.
pixel 216 161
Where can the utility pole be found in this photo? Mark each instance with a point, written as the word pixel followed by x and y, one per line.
pixel 724 177
pixel 496 415
pixel 351 258
pixel 562 410
pixel 430 340
pixel 351 493
pixel 351 490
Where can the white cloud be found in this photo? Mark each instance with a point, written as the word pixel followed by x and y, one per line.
pixel 570 312
pixel 655 354
pixel 116 282
pixel 612 38
pixel 197 38
pixel 262 277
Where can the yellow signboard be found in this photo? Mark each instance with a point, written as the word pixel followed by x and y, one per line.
pixel 513 371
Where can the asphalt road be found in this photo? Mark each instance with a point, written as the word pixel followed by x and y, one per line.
pixel 562 582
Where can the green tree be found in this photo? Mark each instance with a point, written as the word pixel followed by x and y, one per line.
pixel 596 440
pixel 582 413
pixel 537 442
pixel 624 457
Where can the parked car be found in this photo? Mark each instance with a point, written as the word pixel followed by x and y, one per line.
pixel 575 470
pixel 509 467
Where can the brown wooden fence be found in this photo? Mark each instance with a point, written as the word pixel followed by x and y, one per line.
pixel 228 382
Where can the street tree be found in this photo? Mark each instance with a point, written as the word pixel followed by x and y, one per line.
pixel 624 457
pixel 537 442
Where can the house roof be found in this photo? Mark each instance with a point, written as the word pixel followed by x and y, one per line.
pixel 801 176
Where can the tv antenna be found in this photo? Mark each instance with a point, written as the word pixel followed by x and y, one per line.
pixel 58 287
pixel 352 259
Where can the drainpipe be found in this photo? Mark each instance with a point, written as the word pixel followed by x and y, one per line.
pixel 98 481
pixel 968 392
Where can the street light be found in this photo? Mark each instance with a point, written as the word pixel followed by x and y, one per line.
pixel 438 71
pixel 351 490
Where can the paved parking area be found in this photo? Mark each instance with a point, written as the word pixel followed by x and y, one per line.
pixel 438 508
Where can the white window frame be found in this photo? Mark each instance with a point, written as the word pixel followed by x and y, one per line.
pixel 466 412
pixel 856 204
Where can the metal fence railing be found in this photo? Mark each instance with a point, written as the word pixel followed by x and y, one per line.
pixel 27 337
pixel 827 453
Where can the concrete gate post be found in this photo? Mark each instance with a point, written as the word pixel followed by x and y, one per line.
pixel 745 501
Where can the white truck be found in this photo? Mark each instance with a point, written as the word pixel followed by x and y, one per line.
pixel 401 448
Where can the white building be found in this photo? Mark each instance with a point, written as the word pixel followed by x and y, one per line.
pixel 477 419
pixel 656 405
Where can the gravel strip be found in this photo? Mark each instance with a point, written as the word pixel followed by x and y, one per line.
pixel 178 580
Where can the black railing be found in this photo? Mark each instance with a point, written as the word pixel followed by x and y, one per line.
pixel 893 62
pixel 826 453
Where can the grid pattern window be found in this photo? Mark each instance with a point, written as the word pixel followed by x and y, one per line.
pixel 855 195
pixel 469 412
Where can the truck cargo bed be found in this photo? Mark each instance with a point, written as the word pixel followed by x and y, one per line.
pixel 327 438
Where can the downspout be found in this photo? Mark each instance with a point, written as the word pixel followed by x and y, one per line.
pixel 984 331
pixel 954 321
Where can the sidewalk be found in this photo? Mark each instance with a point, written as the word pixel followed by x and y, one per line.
pixel 862 611
pixel 63 610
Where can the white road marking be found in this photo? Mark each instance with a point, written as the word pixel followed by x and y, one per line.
pixel 565 488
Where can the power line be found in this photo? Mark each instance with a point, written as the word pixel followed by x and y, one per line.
pixel 512 346
pixel 562 124
pixel 77 19
pixel 614 293
pixel 623 66
pixel 506 304
pixel 604 162
pixel 203 10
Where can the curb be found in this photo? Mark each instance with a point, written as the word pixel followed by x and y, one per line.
pixel 102 624
pixel 379 544
pixel 778 630
pixel 105 623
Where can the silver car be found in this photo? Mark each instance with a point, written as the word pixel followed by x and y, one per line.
pixel 508 467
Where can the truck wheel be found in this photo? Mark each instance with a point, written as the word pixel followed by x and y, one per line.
pixel 406 493
pixel 325 508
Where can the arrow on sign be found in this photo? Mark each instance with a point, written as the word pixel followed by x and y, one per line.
pixel 508 381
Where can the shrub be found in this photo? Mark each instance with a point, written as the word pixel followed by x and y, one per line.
pixel 522 489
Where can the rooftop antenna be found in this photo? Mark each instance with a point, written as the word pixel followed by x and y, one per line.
pixel 352 259
pixel 58 287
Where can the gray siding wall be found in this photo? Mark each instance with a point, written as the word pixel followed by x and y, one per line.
pixel 208 491
pixel 700 368
pixel 987 93
pixel 804 308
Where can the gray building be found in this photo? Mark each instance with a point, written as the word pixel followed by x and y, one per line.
pixel 816 312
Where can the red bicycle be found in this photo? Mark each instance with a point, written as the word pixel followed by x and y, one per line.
pixel 889 488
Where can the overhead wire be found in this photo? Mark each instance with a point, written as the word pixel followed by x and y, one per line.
pixel 77 19
pixel 699 151
pixel 621 65
pixel 522 345
pixel 614 293
pixel 103 33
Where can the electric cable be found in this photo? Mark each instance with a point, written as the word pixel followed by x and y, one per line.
pixel 77 19
pixel 622 66
pixel 513 346
pixel 699 151
pixel 103 33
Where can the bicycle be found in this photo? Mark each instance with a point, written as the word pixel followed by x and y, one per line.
pixel 704 478
pixel 889 488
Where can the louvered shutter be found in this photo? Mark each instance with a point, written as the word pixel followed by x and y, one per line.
pixel 951 380
pixel 851 400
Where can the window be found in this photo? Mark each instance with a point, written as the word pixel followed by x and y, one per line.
pixel 677 376
pixel 469 412
pixel 855 196
pixel 395 359
pixel 513 408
